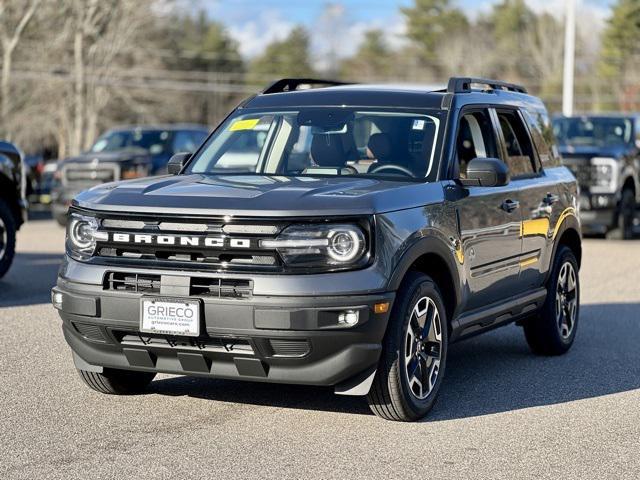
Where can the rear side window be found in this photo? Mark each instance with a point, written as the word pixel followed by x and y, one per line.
pixel 542 134
pixel 520 158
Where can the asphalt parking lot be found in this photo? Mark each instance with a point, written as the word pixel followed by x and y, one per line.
pixel 502 413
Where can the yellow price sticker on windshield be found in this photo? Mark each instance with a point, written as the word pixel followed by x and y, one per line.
pixel 243 125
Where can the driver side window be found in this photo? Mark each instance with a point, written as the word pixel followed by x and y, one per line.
pixel 475 140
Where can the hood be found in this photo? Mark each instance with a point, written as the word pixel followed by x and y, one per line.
pixel 583 151
pixel 258 195
pixel 126 155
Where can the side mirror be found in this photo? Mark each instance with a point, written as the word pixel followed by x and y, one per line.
pixel 177 163
pixel 486 172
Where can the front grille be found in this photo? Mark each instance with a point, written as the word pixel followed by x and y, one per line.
pixel 289 348
pixel 90 332
pixel 132 282
pixel 85 175
pixel 581 168
pixel 221 287
pixel 193 242
pixel 198 286
pixel 232 345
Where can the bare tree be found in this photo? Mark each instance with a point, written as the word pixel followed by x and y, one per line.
pixel 13 22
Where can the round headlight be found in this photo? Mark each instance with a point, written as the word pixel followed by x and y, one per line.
pixel 345 245
pixel 82 232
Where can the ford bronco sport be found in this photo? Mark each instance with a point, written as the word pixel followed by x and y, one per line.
pixel 342 236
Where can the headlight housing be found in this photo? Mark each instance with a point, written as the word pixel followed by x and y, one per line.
pixel 321 245
pixel 604 175
pixel 83 235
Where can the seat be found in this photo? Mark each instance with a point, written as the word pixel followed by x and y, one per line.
pixel 328 155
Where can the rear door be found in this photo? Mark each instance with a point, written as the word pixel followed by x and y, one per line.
pixel 489 218
pixel 538 195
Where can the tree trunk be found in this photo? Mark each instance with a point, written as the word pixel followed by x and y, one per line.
pixel 78 100
pixel 5 90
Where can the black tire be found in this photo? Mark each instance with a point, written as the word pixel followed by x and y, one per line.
pixel 117 382
pixel 391 396
pixel 7 238
pixel 627 214
pixel 546 333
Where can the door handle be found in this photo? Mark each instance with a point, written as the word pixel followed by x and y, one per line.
pixel 550 199
pixel 510 205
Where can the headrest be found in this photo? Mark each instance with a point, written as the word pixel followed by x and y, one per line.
pixel 327 150
pixel 380 146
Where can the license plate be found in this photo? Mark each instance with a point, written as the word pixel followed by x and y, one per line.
pixel 170 316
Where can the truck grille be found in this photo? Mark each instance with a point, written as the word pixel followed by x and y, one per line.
pixel 581 169
pixel 198 286
pixel 80 176
pixel 189 243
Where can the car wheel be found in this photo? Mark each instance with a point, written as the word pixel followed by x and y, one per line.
pixel 117 382
pixel 553 330
pixel 627 214
pixel 414 354
pixel 7 238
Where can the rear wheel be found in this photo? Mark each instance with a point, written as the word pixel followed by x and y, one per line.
pixel 117 382
pixel 553 330
pixel 7 238
pixel 414 354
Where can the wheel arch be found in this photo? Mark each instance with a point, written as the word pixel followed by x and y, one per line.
pixel 434 258
pixel 569 235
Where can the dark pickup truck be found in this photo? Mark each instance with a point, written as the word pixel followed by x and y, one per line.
pixel 342 236
pixel 13 206
pixel 122 153
pixel 603 152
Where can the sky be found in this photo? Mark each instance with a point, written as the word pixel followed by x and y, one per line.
pixel 338 25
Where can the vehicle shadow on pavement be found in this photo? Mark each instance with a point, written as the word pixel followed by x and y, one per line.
pixel 30 279
pixel 488 374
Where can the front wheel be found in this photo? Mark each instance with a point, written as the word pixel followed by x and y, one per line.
pixel 627 214
pixel 117 382
pixel 414 354
pixel 553 330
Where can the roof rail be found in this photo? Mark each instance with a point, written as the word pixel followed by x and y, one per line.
pixel 463 84
pixel 292 84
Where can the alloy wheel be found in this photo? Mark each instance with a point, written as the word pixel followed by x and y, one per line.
pixel 423 348
pixel 566 300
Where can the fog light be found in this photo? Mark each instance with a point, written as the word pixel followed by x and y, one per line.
pixel 56 299
pixel 349 318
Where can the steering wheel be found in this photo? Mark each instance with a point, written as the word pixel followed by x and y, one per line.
pixel 397 168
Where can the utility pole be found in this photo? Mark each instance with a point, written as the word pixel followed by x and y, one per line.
pixel 569 57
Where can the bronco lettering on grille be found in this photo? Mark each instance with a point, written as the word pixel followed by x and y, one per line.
pixel 181 240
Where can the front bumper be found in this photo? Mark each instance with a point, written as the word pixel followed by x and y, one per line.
pixel 262 338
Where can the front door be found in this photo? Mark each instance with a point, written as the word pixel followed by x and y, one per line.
pixel 489 219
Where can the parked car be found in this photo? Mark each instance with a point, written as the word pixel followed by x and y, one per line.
pixel 603 152
pixel 367 229
pixel 122 153
pixel 13 206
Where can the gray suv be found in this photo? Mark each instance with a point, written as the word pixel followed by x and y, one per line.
pixel 342 235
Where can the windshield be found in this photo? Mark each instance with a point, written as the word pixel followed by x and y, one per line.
pixel 323 141
pixel 592 131
pixel 152 141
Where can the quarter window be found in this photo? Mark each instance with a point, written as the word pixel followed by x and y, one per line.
pixel 520 158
